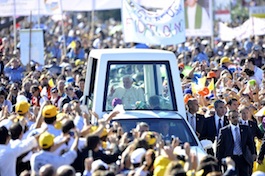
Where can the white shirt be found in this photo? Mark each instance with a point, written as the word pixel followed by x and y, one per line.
pixel 42 158
pixel 216 117
pixel 258 75
pixel 66 146
pixel 192 120
pixel 79 122
pixel 9 154
pixel 129 96
pixel 244 122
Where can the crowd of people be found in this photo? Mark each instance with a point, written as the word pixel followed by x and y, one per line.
pixel 44 130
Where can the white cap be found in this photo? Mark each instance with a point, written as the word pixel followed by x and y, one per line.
pixel 136 156
pixel 258 173
pixel 95 165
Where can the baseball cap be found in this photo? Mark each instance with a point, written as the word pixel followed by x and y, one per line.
pixel 98 163
pixel 54 89
pixel 79 62
pixel 225 60
pixel 211 74
pixel 136 156
pixel 46 140
pixel 94 128
pixel 49 111
pixel 22 107
pixel 181 65
pixel 150 138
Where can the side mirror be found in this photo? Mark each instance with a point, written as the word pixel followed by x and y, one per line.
pixel 206 144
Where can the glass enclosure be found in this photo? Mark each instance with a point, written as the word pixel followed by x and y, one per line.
pixel 167 128
pixel 139 85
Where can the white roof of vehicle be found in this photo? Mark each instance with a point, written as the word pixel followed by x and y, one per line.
pixel 112 54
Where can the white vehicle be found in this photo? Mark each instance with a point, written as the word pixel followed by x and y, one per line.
pixel 156 73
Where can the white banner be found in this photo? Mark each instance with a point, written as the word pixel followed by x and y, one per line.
pixel 164 28
pixel 27 7
pixel 253 26
pixel 36 45
pixel 198 17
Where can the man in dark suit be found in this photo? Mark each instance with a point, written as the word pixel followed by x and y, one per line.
pixel 213 124
pixel 236 141
pixel 246 120
pixel 195 120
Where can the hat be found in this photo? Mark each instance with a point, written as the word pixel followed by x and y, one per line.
pixel 136 156
pixel 258 173
pixel 187 97
pixel 187 91
pixel 211 74
pixel 68 68
pixel 205 42
pixel 22 107
pixel 150 138
pixel 49 111
pixel 54 89
pixel 46 140
pixel 69 80
pixel 225 60
pixel 96 164
pixel 181 65
pixel 79 62
pixel 94 128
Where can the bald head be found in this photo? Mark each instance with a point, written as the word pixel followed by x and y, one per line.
pixel 65 171
pixel 47 170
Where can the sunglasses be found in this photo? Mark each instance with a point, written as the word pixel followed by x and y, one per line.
pixel 234 117
pixel 70 89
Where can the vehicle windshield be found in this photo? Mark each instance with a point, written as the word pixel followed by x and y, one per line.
pixel 167 128
pixel 139 85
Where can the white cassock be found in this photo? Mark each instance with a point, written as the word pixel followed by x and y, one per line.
pixel 129 96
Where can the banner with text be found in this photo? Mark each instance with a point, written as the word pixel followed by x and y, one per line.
pixel 164 28
pixel 253 26
pixel 198 18
pixel 27 7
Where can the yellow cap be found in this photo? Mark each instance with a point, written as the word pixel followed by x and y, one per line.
pixel 150 138
pixel 79 62
pixel 225 60
pixel 49 111
pixel 46 140
pixel 94 128
pixel 22 107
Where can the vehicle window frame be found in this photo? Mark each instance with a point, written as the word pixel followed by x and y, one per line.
pixel 168 73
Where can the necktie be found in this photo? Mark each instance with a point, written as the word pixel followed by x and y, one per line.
pixel 192 122
pixel 237 142
pixel 219 126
